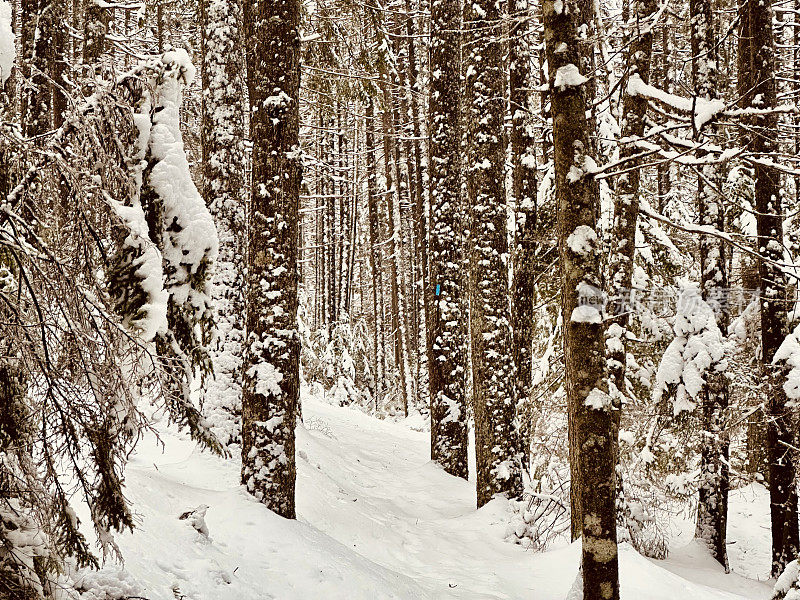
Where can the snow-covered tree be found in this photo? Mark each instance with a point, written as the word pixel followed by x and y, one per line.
pixel 448 362
pixel 225 194
pixel 496 436
pixel 271 385
pixel 182 229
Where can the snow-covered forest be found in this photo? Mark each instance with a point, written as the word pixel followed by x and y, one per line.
pixel 409 299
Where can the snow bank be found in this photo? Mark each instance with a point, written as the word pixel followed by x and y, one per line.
pixel 377 520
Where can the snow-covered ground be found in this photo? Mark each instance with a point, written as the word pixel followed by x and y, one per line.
pixel 376 520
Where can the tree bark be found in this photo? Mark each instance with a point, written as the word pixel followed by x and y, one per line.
pixel 39 22
pixel 592 451
pixel 757 89
pixel 447 366
pixel 523 164
pixel 375 257
pixel 222 137
pixel 271 385
pixel 498 460
pixel 712 509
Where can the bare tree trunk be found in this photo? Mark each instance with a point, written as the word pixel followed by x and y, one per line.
pixel 498 460
pixel 592 452
pixel 447 366
pixel 271 386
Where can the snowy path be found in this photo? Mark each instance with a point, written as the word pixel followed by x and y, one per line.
pixel 376 520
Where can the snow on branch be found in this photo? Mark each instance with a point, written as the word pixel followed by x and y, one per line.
pixel 644 207
pixel 702 110
pixel 698 349
pixel 789 354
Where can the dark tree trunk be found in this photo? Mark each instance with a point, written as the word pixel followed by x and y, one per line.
pixel 498 460
pixel 523 164
pixel 95 26
pixel 393 201
pixel 375 257
pixel 447 368
pixel 757 81
pixel 757 88
pixel 712 509
pixel 39 22
pixel 271 386
pixel 592 452
pixel 626 216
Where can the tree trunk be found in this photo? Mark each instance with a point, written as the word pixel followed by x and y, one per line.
pixel 523 161
pixel 375 262
pixel 271 385
pixel 757 88
pixel 498 461
pixel 223 162
pixel 592 443
pixel 39 21
pixel 447 368
pixel 712 509
pixel 95 26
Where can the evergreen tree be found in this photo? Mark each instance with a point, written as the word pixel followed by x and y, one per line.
pixel 592 443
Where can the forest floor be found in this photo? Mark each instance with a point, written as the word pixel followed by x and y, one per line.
pixel 376 520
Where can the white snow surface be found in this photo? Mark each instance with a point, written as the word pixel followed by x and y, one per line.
pixel 7 49
pixel 376 520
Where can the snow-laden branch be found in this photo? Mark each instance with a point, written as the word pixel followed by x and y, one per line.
pixel 702 110
pixel 646 210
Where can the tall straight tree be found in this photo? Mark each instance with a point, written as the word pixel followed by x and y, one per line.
pixel 712 509
pixel 626 206
pixel 592 443
pixel 626 213
pixel 39 38
pixel 375 256
pixel 271 384
pixel 496 438
pixel 757 89
pixel 523 178
pixel 447 369
pixel 223 190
